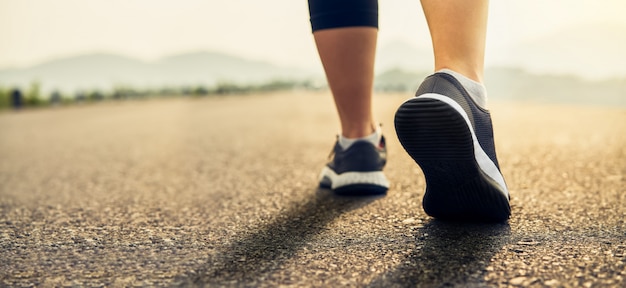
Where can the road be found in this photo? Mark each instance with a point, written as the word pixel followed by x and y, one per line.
pixel 222 192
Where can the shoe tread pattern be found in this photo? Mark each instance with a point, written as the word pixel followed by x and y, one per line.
pixel 437 137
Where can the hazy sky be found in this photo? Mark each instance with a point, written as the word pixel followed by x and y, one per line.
pixel 32 31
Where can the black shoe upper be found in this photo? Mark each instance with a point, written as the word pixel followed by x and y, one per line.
pixel 446 84
pixel 361 156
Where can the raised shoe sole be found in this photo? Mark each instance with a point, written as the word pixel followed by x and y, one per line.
pixel 462 183
pixel 354 183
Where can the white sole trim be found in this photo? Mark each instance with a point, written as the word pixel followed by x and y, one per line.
pixel 484 162
pixel 354 178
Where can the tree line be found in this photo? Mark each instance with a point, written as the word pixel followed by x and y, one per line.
pixel 31 97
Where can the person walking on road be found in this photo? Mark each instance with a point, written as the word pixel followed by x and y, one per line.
pixel 446 128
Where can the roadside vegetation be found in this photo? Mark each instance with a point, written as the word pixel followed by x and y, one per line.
pixel 32 97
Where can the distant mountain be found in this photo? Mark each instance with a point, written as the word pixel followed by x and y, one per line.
pixel 208 68
pixel 403 56
pixel 505 83
pixel 592 51
pixel 396 66
pixel 516 84
pixel 104 71
pixel 399 80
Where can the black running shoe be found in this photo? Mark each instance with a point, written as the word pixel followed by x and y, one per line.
pixel 451 139
pixel 356 171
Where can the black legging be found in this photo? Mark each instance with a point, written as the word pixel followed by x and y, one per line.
pixel 326 14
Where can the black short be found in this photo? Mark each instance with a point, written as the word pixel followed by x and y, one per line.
pixel 327 14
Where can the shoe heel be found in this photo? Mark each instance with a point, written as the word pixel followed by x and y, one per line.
pixel 438 138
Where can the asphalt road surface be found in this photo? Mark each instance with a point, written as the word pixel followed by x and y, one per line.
pixel 223 192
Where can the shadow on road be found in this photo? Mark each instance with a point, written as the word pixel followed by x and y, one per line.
pixel 448 254
pixel 262 252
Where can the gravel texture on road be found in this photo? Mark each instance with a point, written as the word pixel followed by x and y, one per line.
pixel 223 192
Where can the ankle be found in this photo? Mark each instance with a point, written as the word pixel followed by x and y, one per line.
pixel 372 137
pixel 354 132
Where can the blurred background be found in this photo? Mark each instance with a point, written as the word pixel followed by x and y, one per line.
pixel 72 51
